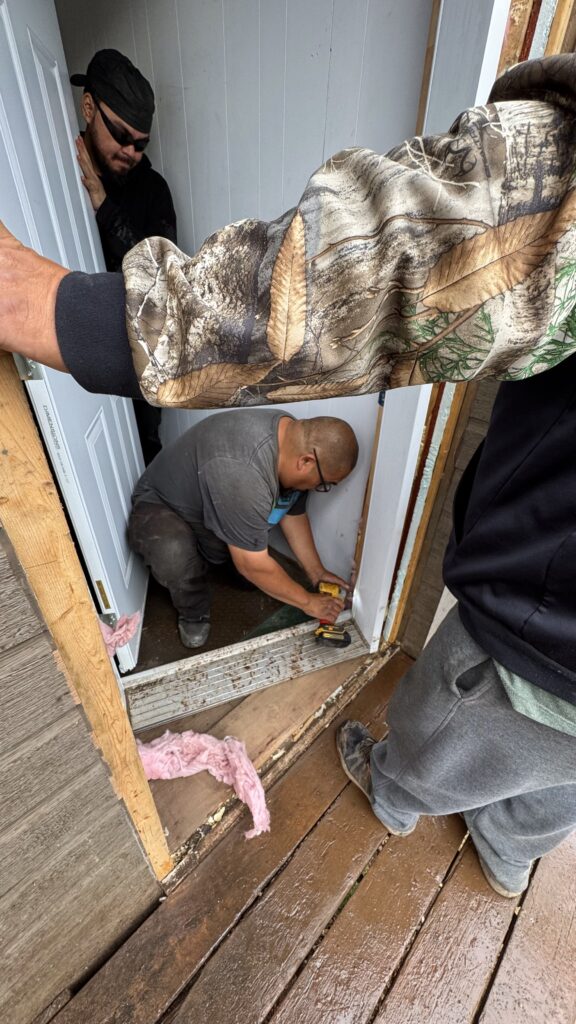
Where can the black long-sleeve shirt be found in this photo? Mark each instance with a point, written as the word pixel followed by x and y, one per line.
pixel 136 207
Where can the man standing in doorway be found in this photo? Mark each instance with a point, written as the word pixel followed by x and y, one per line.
pixel 216 492
pixel 131 200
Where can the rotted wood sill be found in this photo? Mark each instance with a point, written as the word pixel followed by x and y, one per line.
pixel 277 725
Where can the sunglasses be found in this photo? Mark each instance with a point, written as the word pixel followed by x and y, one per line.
pixel 120 135
pixel 323 486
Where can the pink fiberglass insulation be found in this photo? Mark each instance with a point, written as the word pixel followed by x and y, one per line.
pixel 121 633
pixel 174 755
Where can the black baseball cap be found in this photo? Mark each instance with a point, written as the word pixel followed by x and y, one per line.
pixel 111 77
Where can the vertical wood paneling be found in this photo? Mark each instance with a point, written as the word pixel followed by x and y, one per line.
pixel 308 31
pixel 273 15
pixel 396 37
pixel 77 34
pixel 242 55
pixel 457 85
pixel 253 95
pixel 202 47
pixel 171 119
pixel 144 61
pixel 345 79
pixel 115 20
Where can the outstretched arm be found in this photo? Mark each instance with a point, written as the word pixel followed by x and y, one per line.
pixel 264 572
pixel 298 533
pixel 28 287
pixel 453 258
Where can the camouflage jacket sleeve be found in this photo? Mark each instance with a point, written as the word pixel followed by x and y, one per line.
pixel 453 257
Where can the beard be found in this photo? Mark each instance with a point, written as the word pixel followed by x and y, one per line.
pixel 116 172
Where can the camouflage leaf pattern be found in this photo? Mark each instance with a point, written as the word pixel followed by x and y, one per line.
pixel 453 257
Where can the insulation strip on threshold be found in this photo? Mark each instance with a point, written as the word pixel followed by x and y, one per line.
pixel 184 687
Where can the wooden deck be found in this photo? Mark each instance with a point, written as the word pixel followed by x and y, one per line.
pixel 330 919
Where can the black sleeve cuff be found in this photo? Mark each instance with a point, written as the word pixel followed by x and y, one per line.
pixel 91 332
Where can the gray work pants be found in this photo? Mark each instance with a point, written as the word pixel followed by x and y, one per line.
pixel 455 743
pixel 177 555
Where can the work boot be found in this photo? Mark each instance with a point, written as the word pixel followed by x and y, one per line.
pixel 193 632
pixel 354 744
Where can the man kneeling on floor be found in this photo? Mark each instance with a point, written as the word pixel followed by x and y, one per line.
pixel 216 492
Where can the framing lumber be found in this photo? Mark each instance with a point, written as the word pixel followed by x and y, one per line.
pixel 562 37
pixel 518 21
pixel 36 526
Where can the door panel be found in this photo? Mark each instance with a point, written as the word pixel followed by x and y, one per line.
pixel 91 439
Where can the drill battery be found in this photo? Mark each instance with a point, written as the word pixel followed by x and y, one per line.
pixel 333 633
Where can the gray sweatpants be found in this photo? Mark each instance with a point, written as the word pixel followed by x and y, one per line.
pixel 455 743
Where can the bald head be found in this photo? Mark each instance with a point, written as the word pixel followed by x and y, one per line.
pixel 334 441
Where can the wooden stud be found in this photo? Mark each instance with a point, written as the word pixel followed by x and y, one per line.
pixel 562 36
pixel 35 523
pixel 518 21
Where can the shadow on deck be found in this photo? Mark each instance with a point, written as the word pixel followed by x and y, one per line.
pixel 330 919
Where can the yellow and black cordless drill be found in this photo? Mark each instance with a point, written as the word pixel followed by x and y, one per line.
pixel 332 632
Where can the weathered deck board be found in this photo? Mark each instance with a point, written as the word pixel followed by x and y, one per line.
pixel 352 966
pixel 536 981
pixel 328 919
pixel 144 977
pixel 249 971
pixel 451 963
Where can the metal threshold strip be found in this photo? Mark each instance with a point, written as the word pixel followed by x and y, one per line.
pixel 193 684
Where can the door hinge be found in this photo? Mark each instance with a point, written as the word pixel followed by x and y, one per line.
pixel 27 368
pixel 108 618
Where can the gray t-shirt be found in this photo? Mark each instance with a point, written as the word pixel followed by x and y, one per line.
pixel 222 473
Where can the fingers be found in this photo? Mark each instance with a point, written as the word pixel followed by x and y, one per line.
pixel 330 577
pixel 331 609
pixel 83 157
pixel 4 233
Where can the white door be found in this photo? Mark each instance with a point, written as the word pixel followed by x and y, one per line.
pixel 92 439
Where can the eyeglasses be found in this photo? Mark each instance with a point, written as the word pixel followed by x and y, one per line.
pixel 323 487
pixel 120 135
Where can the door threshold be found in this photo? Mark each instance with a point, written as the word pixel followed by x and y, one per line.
pixel 193 684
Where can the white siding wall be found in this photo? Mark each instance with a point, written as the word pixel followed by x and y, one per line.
pixel 252 96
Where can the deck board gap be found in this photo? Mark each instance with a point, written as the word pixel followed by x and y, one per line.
pixel 257 897
pixel 418 928
pixel 504 948
pixel 318 942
